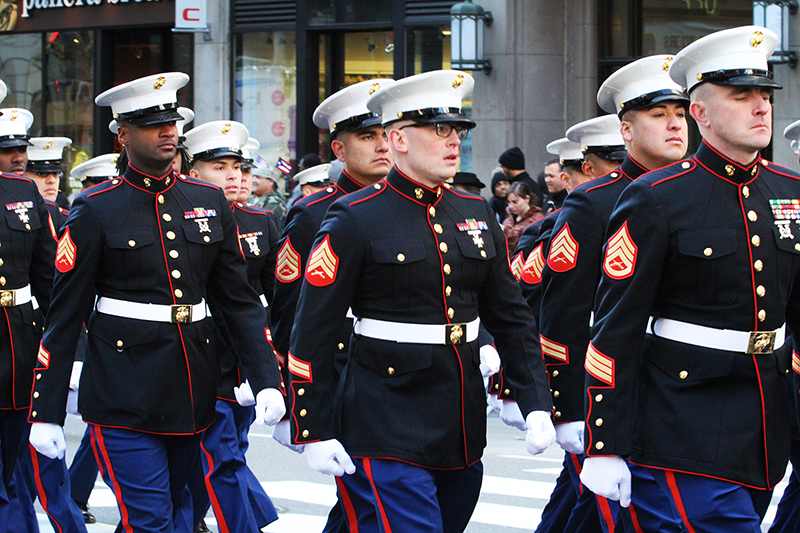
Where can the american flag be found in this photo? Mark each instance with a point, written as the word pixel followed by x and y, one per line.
pixel 260 161
pixel 283 166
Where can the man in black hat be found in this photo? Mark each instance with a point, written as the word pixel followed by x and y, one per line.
pixel 512 161
pixel 467 182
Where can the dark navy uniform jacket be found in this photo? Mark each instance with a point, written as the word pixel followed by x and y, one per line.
pixel 58 216
pixel 302 224
pixel 169 240
pixel 258 238
pixel 569 282
pixel 27 254
pixel 704 241
pixel 399 251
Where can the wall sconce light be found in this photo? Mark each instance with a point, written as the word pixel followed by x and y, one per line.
pixel 467 23
pixel 776 15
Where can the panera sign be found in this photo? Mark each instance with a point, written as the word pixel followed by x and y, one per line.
pixel 61 15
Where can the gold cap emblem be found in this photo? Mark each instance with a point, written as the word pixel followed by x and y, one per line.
pixel 226 129
pixel 375 86
pixel 729 170
pixel 665 65
pixel 756 39
pixel 48 145
pixel 114 160
pixel 160 82
pixel 14 115
pixel 458 81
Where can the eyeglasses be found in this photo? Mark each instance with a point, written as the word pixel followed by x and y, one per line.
pixel 443 129
pixel 58 175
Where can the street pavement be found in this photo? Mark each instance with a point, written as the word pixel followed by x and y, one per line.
pixel 516 485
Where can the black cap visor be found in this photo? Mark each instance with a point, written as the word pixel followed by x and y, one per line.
pixel 432 115
pixel 740 78
pixel 353 124
pixel 45 166
pixel 609 153
pixel 13 141
pixel 218 153
pixel 648 100
pixel 151 115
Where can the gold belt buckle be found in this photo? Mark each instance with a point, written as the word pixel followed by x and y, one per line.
pixel 761 342
pixel 8 298
pixel 455 334
pixel 180 314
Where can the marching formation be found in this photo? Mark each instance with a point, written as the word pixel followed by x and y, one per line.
pixel 643 321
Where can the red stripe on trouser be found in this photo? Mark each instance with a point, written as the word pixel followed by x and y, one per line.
pixel 635 520
pixel 605 512
pixel 349 510
pixel 123 509
pixel 221 523
pixel 38 478
pixel 676 497
pixel 368 471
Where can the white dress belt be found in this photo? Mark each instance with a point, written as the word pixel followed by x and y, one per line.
pixel 176 314
pixel 15 297
pixel 446 334
pixel 757 342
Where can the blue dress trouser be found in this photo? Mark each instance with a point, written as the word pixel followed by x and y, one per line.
pixel 147 474
pixel 83 470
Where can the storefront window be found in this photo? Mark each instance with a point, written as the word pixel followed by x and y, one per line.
pixel 21 70
pixel 670 25
pixel 69 91
pixel 265 91
pixel 334 11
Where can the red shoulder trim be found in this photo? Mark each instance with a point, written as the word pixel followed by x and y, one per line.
pixel 109 187
pixel 691 161
pixel 384 186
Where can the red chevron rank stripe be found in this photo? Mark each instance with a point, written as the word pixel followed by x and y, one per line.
pixel 599 365
pixel 532 271
pixel 43 356
pixel 65 254
pixel 795 362
pixel 52 227
pixel 287 268
pixel 563 251
pixel 554 349
pixel 299 368
pixel 322 265
pixel 620 254
pixel 516 265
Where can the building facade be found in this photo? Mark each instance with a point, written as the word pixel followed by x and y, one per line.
pixel 268 63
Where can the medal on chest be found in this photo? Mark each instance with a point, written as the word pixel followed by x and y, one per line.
pixel 200 216
pixel 473 228
pixel 784 212
pixel 21 209
pixel 252 240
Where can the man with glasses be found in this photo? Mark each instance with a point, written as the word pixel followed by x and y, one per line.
pixel 416 261
pixel 45 169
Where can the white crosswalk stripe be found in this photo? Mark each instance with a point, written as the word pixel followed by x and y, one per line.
pixel 522 517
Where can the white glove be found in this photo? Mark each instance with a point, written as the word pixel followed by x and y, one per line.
pixel 244 394
pixel 282 432
pixel 72 402
pixel 269 407
pixel 511 415
pixel 541 432
pixel 490 360
pixel 75 377
pixel 494 403
pixel 570 437
pixel 329 457
pixel 608 477
pixel 48 439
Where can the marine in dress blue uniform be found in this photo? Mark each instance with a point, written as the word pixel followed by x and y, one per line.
pixel 416 261
pixel 702 256
pixel 358 137
pixel 216 150
pixel 649 103
pixel 151 246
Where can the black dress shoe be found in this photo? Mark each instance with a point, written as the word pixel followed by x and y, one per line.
pixel 88 517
